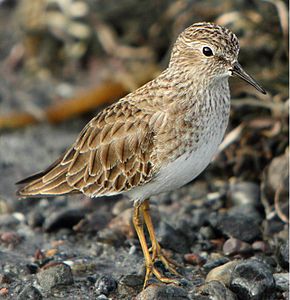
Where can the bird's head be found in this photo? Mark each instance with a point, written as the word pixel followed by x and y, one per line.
pixel 209 52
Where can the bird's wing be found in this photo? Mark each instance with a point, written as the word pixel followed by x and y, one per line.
pixel 111 155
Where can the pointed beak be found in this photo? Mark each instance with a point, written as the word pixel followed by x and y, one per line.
pixel 238 71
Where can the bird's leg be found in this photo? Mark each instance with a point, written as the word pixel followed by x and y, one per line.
pixel 156 248
pixel 150 269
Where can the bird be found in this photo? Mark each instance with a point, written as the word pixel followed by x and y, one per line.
pixel 155 139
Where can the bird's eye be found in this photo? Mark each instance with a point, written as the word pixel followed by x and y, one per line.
pixel 207 51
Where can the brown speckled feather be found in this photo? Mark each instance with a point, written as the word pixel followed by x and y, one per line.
pixel 111 155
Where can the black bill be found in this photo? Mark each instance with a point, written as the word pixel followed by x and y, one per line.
pixel 238 70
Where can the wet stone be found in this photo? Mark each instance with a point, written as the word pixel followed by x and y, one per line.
pixel 161 292
pixel 29 292
pixel 252 280
pixel 55 275
pixel 216 290
pixel 105 285
pixel 283 255
pixel 234 246
pixel 222 273
pixel 282 281
pixel 239 226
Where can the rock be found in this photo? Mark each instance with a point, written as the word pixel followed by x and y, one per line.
pixel 172 239
pixel 194 259
pixel 66 218
pixel 244 193
pixel 282 281
pixel 54 275
pixel 252 280
pixel 123 223
pixel 132 280
pixel 8 220
pixel 261 246
pixel 105 285
pixel 234 246
pixel 222 273
pixel 211 264
pixel 35 219
pixel 283 255
pixel 161 292
pixel 239 226
pixel 217 291
pixel 29 292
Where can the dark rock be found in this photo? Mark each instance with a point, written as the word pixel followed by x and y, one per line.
pixel 29 292
pixel 162 292
pixel 66 218
pixel 239 226
pixel 55 275
pixel 252 280
pixel 222 273
pixel 283 255
pixel 6 278
pixel 132 280
pixel 105 285
pixel 282 281
pixel 234 246
pixel 35 219
pixel 211 264
pixel 33 268
pixel 172 239
pixel 245 193
pixel 217 291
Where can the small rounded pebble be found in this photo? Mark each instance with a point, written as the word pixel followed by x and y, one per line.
pixel 252 280
pixel 194 259
pixel 105 285
pixel 158 292
pixel 54 275
pixel 216 290
pixel 222 273
pixel 234 246
pixel 214 263
pixel 282 281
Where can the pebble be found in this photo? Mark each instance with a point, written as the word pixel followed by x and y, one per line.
pixel 8 220
pixel 29 292
pixel 222 273
pixel 239 226
pixel 217 291
pixel 172 239
pixel 54 275
pixel 162 292
pixel 132 280
pixel 106 284
pixel 282 281
pixel 244 193
pixel 122 223
pixel 252 280
pixel 194 259
pixel 233 246
pixel 261 246
pixel 66 218
pixel 211 264
pixel 283 255
pixel 10 237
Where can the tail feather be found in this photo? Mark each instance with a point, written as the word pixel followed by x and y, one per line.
pixel 50 182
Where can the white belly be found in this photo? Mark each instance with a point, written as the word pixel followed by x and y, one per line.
pixel 181 171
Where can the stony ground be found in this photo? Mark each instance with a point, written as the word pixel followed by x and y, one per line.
pixel 228 230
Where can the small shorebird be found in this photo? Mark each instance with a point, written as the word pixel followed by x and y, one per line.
pixel 156 139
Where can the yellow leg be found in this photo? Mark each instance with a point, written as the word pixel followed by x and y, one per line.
pixel 156 248
pixel 150 269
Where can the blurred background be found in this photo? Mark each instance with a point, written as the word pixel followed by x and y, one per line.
pixel 61 61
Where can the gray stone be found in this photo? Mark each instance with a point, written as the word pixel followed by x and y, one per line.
pixel 222 273
pixel 217 291
pixel 162 292
pixel 245 193
pixel 282 281
pixel 105 284
pixel 234 246
pixel 29 292
pixel 55 275
pixel 239 226
pixel 283 255
pixel 252 280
